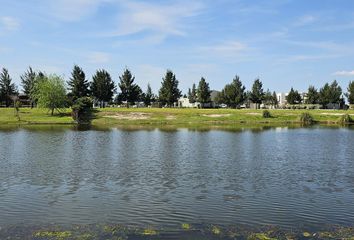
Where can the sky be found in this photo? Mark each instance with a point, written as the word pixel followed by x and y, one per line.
pixel 285 43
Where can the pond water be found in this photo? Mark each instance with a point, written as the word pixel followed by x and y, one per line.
pixel 290 178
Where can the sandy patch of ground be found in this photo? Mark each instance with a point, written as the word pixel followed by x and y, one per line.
pixel 255 114
pixel 216 115
pixel 333 114
pixel 129 116
pixel 170 117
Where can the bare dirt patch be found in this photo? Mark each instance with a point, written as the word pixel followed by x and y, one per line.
pixel 216 115
pixel 129 116
pixel 333 114
pixel 254 114
pixel 170 117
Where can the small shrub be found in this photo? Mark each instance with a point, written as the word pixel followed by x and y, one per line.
pixel 82 109
pixel 306 119
pixel 17 106
pixel 266 114
pixel 345 119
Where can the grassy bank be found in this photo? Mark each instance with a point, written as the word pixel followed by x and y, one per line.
pixel 159 117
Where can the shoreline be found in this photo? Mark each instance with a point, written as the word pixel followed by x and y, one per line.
pixel 177 118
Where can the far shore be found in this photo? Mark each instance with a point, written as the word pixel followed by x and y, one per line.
pixel 173 117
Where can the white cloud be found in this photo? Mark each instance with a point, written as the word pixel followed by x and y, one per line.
pixel 344 73
pixel 305 20
pixel 226 49
pixel 73 10
pixel 9 23
pixel 158 19
pixel 98 57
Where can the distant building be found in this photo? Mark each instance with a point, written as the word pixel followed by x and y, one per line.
pixel 184 102
pixel 281 97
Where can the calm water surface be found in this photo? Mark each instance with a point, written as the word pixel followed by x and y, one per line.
pixel 286 177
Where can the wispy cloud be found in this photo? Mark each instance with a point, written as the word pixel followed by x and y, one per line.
pixel 305 20
pixel 72 10
pixel 226 49
pixel 344 73
pixel 336 27
pixel 9 23
pixel 160 20
pixel 98 57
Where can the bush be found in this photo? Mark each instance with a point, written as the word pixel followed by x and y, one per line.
pixel 345 119
pixel 82 109
pixel 306 119
pixel 266 114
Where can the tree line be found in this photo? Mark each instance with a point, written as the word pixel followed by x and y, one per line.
pixel 235 94
pixel 52 92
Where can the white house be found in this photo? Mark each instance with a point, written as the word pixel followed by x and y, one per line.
pixel 282 98
pixel 183 102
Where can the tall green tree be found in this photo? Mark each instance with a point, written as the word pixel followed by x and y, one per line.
pixel 78 84
pixel 293 97
pixel 233 94
pixel 169 92
pixel 28 80
pixel 7 88
pixel 102 87
pixel 51 93
pixel 148 96
pixel 268 97
pixel 312 95
pixel 275 99
pixel 257 93
pixel 130 91
pixel 192 94
pixel 203 92
pixel 330 93
pixel 350 93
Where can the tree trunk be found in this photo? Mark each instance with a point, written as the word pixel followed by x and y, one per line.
pixel 52 111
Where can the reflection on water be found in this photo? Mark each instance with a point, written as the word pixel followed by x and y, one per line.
pixel 286 177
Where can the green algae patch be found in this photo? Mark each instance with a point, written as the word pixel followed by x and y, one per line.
pixel 215 230
pixel 186 226
pixel 306 234
pixel 85 236
pixel 58 235
pixel 260 236
pixel 149 232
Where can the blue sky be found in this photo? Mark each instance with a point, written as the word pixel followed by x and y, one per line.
pixel 283 42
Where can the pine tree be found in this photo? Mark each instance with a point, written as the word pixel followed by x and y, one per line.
pixel 130 91
pixel 7 88
pixel 312 95
pixel 350 93
pixel 233 94
pixel 330 93
pixel 28 80
pixel 78 84
pixel 275 99
pixel 148 96
pixel 192 94
pixel 268 98
pixel 293 97
pixel 102 87
pixel 169 92
pixel 203 92
pixel 257 93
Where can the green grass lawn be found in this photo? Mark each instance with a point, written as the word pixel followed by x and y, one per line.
pixel 34 116
pixel 157 117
